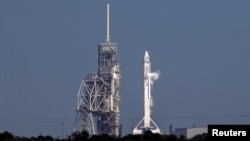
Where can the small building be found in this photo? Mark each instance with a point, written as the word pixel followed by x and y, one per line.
pixel 190 132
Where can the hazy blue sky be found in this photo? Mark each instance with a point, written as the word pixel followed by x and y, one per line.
pixel 200 47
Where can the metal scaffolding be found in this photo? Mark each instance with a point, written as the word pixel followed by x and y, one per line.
pixel 98 96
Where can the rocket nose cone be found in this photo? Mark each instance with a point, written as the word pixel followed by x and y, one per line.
pixel 146 53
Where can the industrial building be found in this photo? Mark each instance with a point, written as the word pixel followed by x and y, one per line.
pixel 190 132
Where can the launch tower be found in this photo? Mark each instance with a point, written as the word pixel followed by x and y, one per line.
pixel 98 97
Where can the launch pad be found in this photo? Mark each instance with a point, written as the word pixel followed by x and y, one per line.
pixel 98 96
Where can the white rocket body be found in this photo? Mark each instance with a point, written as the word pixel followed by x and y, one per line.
pixel 147 123
pixel 147 90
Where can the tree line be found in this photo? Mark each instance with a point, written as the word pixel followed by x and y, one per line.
pixel 84 136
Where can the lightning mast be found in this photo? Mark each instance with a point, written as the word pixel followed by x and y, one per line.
pixel 98 96
pixel 149 77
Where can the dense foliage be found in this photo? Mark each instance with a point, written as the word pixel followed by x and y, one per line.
pixel 84 136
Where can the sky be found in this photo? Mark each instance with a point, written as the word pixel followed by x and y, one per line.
pixel 200 47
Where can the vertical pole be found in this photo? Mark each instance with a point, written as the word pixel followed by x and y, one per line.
pixel 62 129
pixel 107 37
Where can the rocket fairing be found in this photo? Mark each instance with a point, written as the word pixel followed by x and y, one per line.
pixel 149 77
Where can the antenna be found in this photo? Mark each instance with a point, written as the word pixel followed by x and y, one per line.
pixel 107 37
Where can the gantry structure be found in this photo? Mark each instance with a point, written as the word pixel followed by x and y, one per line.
pixel 98 96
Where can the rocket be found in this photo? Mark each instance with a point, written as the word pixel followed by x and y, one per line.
pixel 147 90
pixel 149 77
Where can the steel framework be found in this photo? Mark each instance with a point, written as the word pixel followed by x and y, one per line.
pixel 98 96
